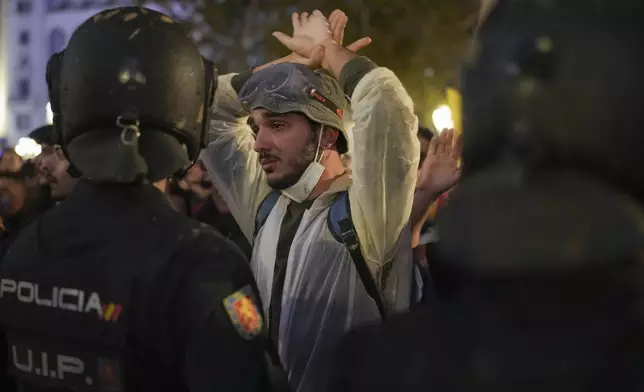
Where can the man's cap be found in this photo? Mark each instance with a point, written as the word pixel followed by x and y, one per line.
pixel 290 87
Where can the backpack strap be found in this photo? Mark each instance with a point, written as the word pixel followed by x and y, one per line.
pixel 265 209
pixel 341 226
pixel 277 377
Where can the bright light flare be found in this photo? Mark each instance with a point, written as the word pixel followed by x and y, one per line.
pixel 442 118
pixel 27 148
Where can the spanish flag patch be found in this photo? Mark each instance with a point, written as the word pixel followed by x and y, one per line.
pixel 243 313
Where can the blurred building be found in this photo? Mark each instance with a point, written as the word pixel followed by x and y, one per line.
pixel 30 32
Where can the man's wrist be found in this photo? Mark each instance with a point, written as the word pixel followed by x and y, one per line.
pixel 427 192
pixel 335 57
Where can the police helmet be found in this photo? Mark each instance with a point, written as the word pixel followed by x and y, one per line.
pixel 553 147
pixel 558 83
pixel 130 96
pixel 542 238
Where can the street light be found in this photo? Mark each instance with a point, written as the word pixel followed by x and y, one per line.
pixel 442 118
pixel 27 148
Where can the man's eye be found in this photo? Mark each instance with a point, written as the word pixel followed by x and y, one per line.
pixel 278 126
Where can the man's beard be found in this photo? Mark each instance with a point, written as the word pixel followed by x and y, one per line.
pixel 298 166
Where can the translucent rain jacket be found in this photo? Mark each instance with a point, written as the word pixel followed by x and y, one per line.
pixel 323 295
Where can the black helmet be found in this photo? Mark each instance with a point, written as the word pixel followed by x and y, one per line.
pixel 540 247
pixel 130 96
pixel 558 83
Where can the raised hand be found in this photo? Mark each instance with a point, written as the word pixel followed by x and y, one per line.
pixel 441 169
pixel 337 23
pixel 309 31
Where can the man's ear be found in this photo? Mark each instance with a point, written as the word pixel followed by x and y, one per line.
pixel 329 137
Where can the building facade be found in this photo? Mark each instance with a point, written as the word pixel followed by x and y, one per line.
pixel 30 32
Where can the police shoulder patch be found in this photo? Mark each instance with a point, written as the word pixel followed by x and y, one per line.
pixel 243 313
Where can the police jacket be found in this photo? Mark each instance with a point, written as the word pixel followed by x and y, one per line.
pixel 322 293
pixel 112 290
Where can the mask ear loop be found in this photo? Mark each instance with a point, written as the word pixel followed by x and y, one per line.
pixel 319 152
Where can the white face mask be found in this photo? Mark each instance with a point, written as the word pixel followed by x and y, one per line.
pixel 302 189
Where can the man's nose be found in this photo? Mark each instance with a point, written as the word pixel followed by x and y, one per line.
pixel 262 141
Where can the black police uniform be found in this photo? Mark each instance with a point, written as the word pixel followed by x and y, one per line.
pixel 541 241
pixel 112 290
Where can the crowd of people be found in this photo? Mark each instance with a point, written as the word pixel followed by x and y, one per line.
pixel 29 187
pixel 292 227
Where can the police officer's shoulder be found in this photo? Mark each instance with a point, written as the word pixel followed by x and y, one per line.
pixel 213 262
pixel 203 238
pixel 218 285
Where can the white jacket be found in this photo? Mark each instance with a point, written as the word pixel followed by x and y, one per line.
pixel 323 296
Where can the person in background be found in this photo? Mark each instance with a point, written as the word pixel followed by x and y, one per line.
pixel 423 232
pixel 45 136
pixel 22 199
pixel 52 167
pixel 10 161
pixel 543 234
pixel 438 173
pixel 179 197
pixel 57 171
pixel 14 213
pixel 210 207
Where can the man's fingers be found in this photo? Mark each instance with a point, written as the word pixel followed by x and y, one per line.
pixel 295 20
pixel 337 23
pixel 452 142
pixel 444 140
pixel 446 134
pixel 334 15
pixel 448 140
pixel 333 23
pixel 337 29
pixel 342 24
pixel 284 39
pixel 359 44
pixel 304 18
pixel 337 32
pixel 433 146
pixel 316 14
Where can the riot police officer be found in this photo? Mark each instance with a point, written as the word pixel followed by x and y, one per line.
pixel 543 238
pixel 112 290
